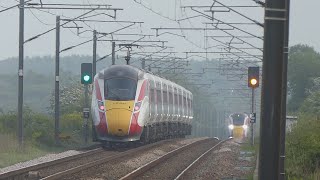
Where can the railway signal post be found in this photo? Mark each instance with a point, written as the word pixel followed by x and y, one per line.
pixel 253 82
pixel 86 79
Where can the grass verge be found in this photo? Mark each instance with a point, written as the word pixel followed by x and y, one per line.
pixel 10 153
pixel 246 146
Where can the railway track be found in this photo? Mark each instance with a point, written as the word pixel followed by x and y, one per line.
pixel 183 173
pixel 176 163
pixel 43 169
pixel 123 164
pixel 60 168
pixel 89 163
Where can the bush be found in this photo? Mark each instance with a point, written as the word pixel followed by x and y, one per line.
pixel 8 122
pixel 37 127
pixel 303 147
pixel 71 125
pixel 40 128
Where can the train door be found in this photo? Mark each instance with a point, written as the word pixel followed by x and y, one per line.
pixel 153 108
pixel 170 109
pixel 159 101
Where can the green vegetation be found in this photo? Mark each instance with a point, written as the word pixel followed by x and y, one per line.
pixel 247 147
pixel 303 147
pixel 303 143
pixel 303 68
pixel 10 153
pixel 38 134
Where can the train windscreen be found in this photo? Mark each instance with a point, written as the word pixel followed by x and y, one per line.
pixel 120 89
pixel 238 119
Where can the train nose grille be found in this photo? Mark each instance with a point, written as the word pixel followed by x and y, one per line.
pixel 238 132
pixel 119 117
pixel 118 122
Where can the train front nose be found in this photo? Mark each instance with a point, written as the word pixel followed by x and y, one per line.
pixel 119 117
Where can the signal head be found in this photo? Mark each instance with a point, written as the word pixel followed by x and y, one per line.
pixel 86 73
pixel 253 82
pixel 253 77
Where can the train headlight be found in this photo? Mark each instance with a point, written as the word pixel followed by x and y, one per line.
pixel 137 106
pixel 245 127
pixel 231 126
pixel 101 105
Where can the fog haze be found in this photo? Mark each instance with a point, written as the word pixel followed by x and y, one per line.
pixel 303 26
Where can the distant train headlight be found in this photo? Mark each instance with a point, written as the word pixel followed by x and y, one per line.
pixel 231 126
pixel 245 127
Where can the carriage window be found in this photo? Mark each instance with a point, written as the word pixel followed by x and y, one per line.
pixel 165 98
pixel 170 98
pixel 152 96
pixel 159 97
pixel 120 89
pixel 189 103
pixel 176 99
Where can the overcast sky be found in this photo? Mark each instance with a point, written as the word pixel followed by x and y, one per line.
pixel 303 27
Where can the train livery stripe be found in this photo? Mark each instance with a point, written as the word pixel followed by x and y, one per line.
pixel 143 90
pixel 102 127
pixel 134 126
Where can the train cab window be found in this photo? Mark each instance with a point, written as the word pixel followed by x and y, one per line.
pixel 238 119
pixel 120 89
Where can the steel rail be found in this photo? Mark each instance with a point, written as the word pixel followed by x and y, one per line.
pixel 15 173
pixel 150 165
pixel 198 159
pixel 62 174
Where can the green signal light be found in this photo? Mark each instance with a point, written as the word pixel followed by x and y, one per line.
pixel 86 78
pixel 86 73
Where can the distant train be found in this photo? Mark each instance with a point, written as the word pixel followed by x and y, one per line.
pixel 238 125
pixel 130 105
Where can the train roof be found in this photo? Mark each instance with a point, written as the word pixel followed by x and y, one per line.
pixel 245 114
pixel 120 71
pixel 132 72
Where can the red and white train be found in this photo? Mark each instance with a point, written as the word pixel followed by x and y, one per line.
pixel 130 104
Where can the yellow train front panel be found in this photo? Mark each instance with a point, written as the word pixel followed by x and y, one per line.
pixel 119 115
pixel 238 132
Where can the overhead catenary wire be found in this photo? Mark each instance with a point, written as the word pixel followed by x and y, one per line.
pixel 11 7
